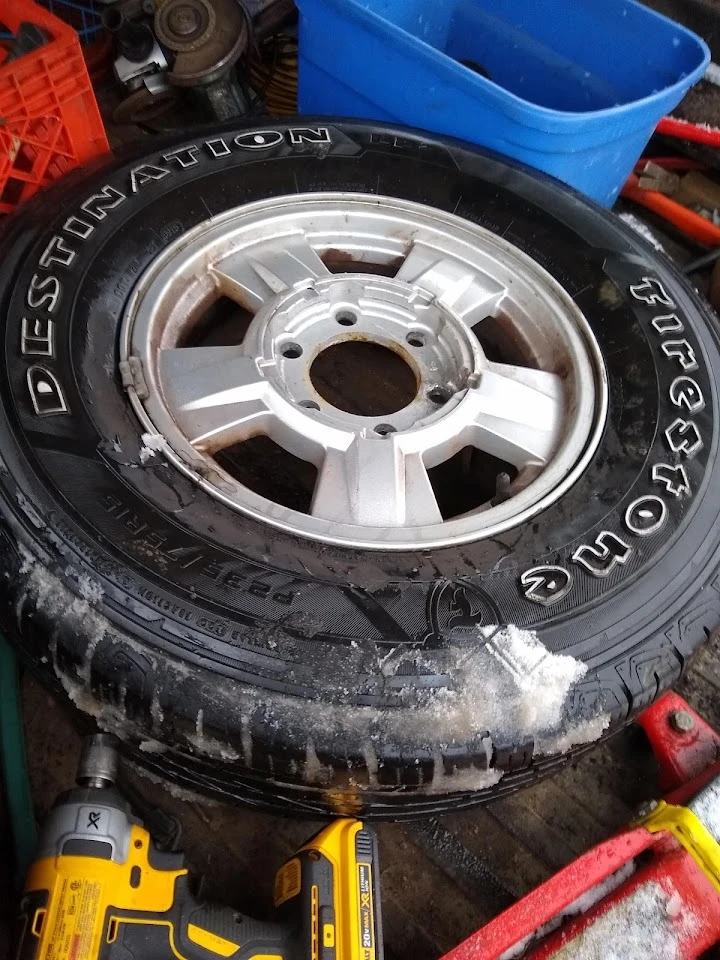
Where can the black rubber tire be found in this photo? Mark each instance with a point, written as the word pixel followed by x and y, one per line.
pixel 304 678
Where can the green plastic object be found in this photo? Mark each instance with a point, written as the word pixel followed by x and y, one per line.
pixel 15 778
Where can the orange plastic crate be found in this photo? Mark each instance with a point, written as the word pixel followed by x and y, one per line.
pixel 49 119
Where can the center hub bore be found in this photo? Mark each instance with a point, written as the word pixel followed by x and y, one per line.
pixel 364 378
pixel 355 347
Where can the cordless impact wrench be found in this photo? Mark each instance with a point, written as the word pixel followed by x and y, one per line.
pixel 100 890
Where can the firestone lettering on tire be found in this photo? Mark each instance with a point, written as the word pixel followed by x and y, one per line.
pixel 600 558
pixel 647 515
pixel 546 585
pixel 684 437
pixel 685 392
pixel 668 324
pixel 652 292
pixel 674 478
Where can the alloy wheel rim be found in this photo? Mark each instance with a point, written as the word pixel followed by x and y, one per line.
pixel 317 271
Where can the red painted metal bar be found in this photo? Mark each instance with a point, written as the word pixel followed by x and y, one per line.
pixel 552 897
pixel 682 755
pixel 669 903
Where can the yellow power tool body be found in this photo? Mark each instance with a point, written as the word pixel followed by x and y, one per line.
pixel 100 890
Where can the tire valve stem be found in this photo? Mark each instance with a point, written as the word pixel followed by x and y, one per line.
pixel 502 488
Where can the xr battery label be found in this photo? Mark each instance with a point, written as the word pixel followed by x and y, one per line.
pixel 367 923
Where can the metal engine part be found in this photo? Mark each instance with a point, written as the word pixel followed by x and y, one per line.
pixel 140 55
pixel 208 37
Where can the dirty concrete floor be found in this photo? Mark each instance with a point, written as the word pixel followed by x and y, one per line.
pixel 434 884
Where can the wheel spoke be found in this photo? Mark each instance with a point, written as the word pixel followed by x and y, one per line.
pixel 518 413
pixel 254 276
pixel 459 286
pixel 374 483
pixel 218 395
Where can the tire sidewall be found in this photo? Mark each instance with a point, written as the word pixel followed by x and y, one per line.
pixel 240 589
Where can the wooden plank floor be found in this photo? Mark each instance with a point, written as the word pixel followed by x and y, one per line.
pixel 437 878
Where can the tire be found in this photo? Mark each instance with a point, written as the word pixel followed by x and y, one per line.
pixel 248 661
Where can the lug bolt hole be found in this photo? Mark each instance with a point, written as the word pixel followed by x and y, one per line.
pixel 416 339
pixel 439 395
pixel 309 404
pixel 384 429
pixel 291 351
pixel 346 318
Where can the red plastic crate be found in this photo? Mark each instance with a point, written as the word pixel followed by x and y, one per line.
pixel 49 119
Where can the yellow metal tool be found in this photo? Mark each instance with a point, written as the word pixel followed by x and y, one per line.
pixel 689 830
pixel 100 890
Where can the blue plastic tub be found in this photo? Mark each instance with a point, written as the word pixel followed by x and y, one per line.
pixel 572 87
